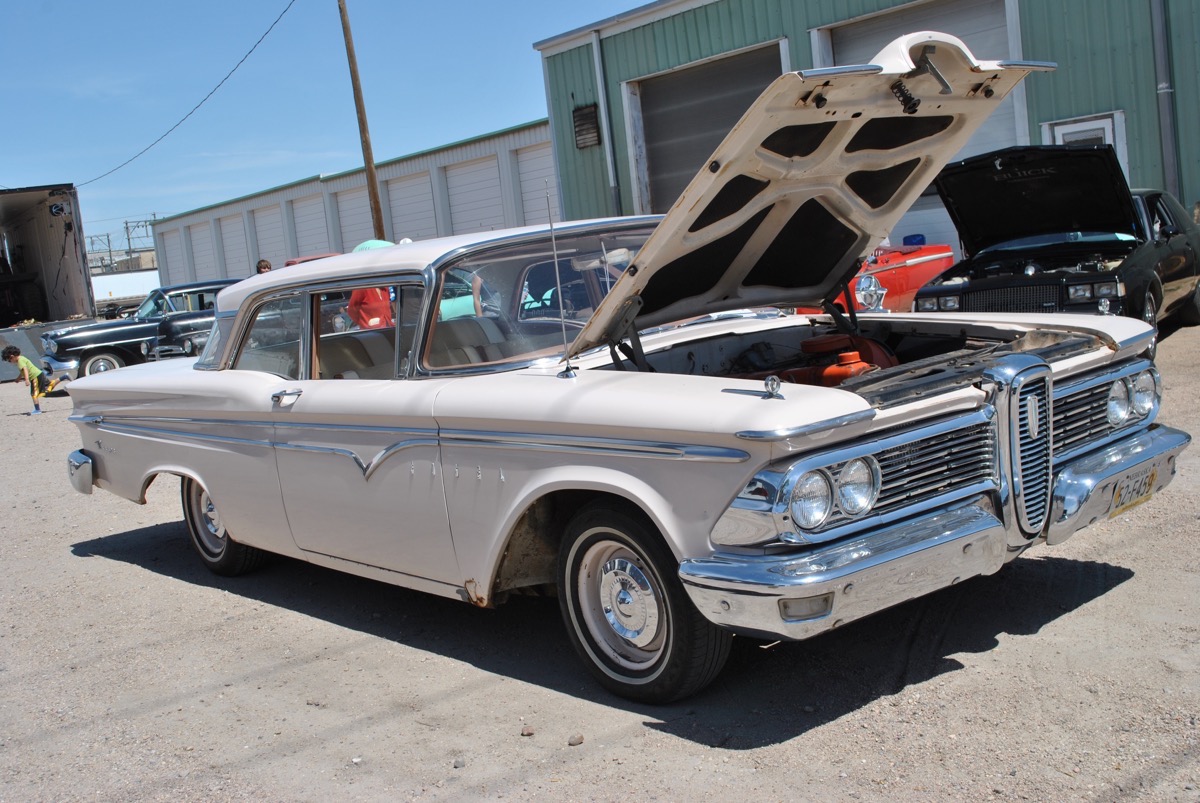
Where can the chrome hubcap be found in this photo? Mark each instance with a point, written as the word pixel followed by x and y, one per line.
pixel 629 602
pixel 623 612
pixel 211 531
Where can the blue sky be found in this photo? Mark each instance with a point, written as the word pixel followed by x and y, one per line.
pixel 89 84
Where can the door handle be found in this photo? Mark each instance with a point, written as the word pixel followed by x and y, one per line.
pixel 279 395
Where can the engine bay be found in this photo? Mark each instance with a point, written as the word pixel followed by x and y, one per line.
pixel 880 356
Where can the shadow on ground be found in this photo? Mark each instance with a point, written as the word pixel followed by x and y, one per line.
pixel 765 695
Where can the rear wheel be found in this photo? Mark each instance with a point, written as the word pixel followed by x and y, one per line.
pixel 626 612
pixel 209 536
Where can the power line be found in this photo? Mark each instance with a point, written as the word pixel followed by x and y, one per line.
pixel 198 105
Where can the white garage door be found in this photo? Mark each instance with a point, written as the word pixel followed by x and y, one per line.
pixel 538 179
pixel 175 268
pixel 233 241
pixel 982 27
pixel 268 229
pixel 354 217
pixel 202 252
pixel 410 199
pixel 475 200
pixel 312 237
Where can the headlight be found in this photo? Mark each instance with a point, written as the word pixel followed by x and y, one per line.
pixel 858 486
pixel 928 304
pixel 1118 403
pixel 188 346
pixel 1146 393
pixel 948 303
pixel 49 345
pixel 1107 290
pixel 1079 292
pixel 145 347
pixel 812 500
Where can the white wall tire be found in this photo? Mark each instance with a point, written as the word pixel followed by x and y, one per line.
pixel 626 612
pixel 216 549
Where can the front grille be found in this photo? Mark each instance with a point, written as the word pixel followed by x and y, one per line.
pixel 1033 298
pixel 930 467
pixel 1032 460
pixel 1081 418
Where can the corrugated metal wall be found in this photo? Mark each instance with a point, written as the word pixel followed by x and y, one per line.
pixel 478 184
pixel 690 36
pixel 1103 49
pixel 1106 62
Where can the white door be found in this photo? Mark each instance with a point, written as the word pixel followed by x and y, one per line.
pixel 357 449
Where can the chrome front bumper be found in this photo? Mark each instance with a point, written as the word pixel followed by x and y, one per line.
pixel 799 595
pixel 56 366
pixel 837 583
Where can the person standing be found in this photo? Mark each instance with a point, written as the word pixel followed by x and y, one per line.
pixel 31 375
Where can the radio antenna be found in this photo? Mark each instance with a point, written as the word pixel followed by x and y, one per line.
pixel 568 372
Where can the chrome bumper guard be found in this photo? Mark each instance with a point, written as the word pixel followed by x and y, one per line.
pixel 797 596
pixel 79 470
pixel 1086 490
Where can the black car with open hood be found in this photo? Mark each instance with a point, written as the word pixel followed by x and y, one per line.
pixel 1057 229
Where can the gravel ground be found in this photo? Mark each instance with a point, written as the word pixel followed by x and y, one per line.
pixel 127 671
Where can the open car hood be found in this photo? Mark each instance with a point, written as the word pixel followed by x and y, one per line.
pixel 813 176
pixel 1037 190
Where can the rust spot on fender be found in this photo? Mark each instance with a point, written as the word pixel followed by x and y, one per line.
pixel 473 595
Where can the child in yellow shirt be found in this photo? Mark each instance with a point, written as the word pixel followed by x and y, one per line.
pixel 31 375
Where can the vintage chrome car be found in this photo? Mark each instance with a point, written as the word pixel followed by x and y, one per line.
pixel 1055 228
pixel 585 409
pixel 105 345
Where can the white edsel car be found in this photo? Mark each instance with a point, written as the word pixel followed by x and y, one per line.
pixel 690 471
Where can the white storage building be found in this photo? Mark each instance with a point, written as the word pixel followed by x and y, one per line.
pixel 499 180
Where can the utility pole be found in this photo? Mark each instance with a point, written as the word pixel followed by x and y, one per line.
pixel 360 107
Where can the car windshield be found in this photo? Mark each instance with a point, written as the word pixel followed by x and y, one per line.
pixel 1059 238
pixel 155 304
pixel 512 304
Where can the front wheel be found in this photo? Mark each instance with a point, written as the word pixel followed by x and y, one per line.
pixel 1150 316
pixel 100 362
pixel 626 612
pixel 209 536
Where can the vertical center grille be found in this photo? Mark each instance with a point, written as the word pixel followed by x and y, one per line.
pixel 1031 459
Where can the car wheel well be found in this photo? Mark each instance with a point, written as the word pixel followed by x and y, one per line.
pixel 530 558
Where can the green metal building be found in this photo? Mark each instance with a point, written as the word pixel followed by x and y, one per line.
pixel 638 101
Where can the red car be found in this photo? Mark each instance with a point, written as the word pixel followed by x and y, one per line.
pixel 890 278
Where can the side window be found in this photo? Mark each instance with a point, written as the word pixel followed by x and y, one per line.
pixel 1161 217
pixel 358 330
pixel 273 342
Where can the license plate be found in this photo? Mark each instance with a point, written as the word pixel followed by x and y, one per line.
pixel 1132 490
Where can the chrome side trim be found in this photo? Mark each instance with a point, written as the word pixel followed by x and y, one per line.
pixel 1142 341
pixel 807 429
pixel 370 466
pixel 606 446
pixel 419 437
